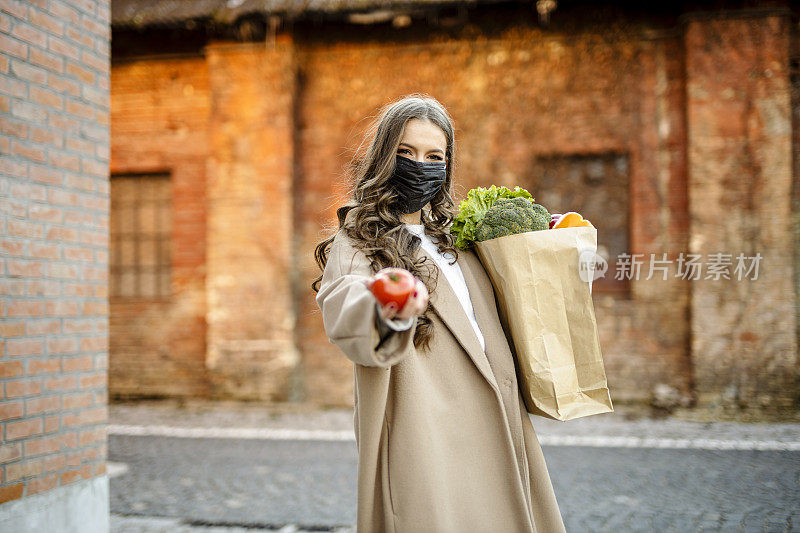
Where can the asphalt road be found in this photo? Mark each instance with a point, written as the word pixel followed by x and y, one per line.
pixel 270 483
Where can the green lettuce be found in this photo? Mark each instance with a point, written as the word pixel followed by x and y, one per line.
pixel 472 210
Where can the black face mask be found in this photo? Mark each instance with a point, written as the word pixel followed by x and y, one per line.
pixel 417 183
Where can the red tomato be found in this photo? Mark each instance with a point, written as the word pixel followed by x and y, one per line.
pixel 393 285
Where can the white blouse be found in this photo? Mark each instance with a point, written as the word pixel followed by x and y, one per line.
pixel 453 275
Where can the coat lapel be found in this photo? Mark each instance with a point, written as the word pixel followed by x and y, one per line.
pixel 446 304
pixel 477 289
pixel 483 300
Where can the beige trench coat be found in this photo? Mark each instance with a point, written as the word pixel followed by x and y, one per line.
pixel 444 442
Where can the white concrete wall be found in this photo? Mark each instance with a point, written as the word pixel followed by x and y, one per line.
pixel 79 507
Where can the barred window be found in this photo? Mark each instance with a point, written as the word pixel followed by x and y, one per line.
pixel 596 186
pixel 141 230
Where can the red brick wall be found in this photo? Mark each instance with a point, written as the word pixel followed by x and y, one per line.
pixel 290 116
pixel 53 243
pixel 739 113
pixel 159 123
pixel 610 107
pixel 521 95
pixel 251 352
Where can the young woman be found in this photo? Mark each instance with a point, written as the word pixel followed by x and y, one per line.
pixel 444 441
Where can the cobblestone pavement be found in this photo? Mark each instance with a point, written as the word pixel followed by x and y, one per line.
pixel 707 477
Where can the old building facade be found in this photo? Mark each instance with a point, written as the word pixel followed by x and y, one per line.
pixel 674 131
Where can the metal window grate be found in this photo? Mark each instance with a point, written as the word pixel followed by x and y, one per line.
pixel 141 236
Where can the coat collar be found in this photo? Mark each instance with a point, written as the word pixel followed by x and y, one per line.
pixel 449 309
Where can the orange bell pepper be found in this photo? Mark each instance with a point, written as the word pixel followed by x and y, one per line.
pixel 572 219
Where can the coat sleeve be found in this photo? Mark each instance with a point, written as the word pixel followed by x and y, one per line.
pixel 349 313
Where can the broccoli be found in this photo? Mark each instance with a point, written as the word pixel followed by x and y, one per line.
pixel 509 216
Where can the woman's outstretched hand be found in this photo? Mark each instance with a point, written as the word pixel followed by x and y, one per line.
pixel 415 305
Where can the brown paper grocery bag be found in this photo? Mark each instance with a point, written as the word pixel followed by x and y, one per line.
pixel 548 311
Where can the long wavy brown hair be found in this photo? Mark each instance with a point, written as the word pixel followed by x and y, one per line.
pixel 371 219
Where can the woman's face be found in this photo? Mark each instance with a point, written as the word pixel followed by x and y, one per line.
pixel 422 141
